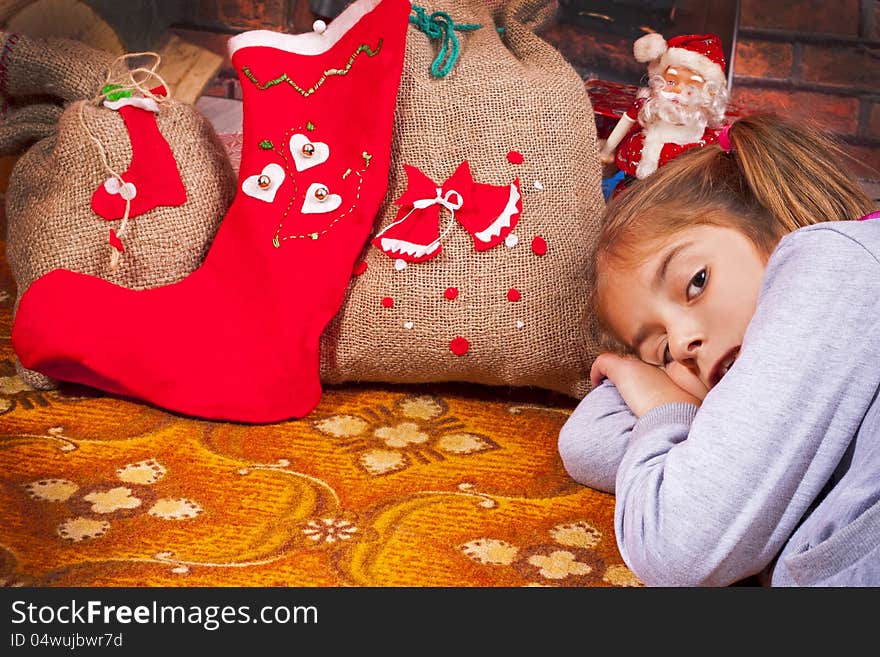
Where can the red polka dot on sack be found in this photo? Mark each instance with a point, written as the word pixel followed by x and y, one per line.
pixel 387 302
pixel 459 346
pixel 513 294
pixel 451 293
pixel 539 246
pixel 359 268
pixel 514 157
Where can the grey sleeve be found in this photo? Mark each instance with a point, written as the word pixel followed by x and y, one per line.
pixel 593 440
pixel 709 497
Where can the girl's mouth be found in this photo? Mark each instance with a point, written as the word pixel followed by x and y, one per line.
pixel 722 366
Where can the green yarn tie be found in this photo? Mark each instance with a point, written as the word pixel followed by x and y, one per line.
pixel 114 92
pixel 440 25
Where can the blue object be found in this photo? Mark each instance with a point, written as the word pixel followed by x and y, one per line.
pixel 608 184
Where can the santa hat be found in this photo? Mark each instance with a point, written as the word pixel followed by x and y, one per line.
pixel 701 53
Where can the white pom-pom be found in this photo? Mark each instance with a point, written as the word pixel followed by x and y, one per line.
pixel 319 26
pixel 649 47
pixel 128 191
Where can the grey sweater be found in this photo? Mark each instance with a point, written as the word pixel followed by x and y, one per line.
pixel 778 472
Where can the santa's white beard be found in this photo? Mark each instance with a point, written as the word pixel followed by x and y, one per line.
pixel 665 121
pixel 677 111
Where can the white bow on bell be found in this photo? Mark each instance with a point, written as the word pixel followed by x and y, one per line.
pixel 441 199
pixel 419 250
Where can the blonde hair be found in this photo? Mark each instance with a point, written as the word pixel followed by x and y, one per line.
pixel 778 176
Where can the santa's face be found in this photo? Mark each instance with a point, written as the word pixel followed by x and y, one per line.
pixel 679 97
pixel 681 83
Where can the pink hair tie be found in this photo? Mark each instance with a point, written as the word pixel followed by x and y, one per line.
pixel 724 138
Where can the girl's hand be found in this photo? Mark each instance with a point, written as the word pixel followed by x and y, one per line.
pixel 642 386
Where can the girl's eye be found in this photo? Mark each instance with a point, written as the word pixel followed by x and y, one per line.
pixel 696 285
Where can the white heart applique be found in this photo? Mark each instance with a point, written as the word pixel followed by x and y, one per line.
pixel 263 185
pixel 319 200
pixel 307 153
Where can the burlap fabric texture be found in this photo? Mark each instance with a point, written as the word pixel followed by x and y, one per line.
pixel 62 69
pixel 508 91
pixel 50 88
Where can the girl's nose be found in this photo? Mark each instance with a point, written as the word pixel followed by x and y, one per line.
pixel 686 348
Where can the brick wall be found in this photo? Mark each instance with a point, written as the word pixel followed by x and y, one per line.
pixel 238 15
pixel 812 59
pixel 818 60
pixel 209 23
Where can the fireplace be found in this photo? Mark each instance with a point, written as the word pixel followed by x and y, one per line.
pixel 596 36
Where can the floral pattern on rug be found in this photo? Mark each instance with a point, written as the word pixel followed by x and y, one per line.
pixel 94 507
pixel 570 560
pixel 482 501
pixel 15 393
pixel 417 428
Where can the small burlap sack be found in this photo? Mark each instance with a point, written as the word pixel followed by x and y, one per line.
pixel 511 314
pixel 73 143
pixel 22 125
pixel 60 68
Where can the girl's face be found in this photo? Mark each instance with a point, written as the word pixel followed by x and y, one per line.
pixel 687 305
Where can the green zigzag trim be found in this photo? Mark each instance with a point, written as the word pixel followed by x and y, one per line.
pixel 363 48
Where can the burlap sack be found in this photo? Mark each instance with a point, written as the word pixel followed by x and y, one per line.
pixel 50 220
pixel 23 124
pixel 61 68
pixel 508 91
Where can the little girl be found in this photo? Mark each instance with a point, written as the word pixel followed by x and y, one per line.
pixel 735 414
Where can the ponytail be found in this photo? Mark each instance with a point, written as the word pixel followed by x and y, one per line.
pixel 794 172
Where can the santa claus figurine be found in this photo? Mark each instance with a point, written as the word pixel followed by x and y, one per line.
pixel 682 107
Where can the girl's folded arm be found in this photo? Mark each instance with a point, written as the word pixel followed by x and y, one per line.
pixel 711 498
pixel 593 440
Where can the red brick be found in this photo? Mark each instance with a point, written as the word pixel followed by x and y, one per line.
pixel 301 17
pixel 876 20
pixel 763 59
pixel 829 112
pixel 608 56
pixel 825 16
pixel 857 66
pixel 874 122
pixel 242 14
pixel 865 162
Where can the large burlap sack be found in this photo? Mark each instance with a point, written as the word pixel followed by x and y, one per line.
pixel 55 110
pixel 507 315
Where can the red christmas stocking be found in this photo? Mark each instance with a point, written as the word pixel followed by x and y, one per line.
pixel 152 179
pixel 238 339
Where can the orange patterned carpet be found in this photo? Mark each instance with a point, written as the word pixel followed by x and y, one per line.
pixel 380 486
